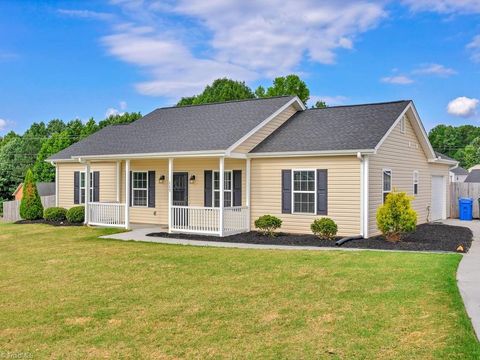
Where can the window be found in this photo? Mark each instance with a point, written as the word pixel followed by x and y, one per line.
pixel 227 188
pixel 387 183
pixel 415 182
pixel 82 187
pixel 304 191
pixel 402 125
pixel 139 188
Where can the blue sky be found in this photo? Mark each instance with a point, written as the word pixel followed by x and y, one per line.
pixel 77 59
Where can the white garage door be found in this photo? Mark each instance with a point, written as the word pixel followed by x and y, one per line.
pixel 438 197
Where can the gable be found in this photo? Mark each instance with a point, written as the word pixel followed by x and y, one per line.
pixel 260 134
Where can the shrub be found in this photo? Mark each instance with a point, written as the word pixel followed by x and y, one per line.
pixel 56 214
pixel 31 207
pixel 268 224
pixel 396 216
pixel 76 214
pixel 324 228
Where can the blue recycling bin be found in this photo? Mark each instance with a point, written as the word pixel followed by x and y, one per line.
pixel 465 209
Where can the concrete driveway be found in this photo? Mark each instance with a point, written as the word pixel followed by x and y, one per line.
pixel 468 274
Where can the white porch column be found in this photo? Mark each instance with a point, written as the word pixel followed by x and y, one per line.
pixel 87 192
pixel 56 185
pixel 118 175
pixel 170 193
pixel 222 189
pixel 127 194
pixel 247 191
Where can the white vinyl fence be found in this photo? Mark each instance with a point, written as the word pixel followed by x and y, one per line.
pixel 11 209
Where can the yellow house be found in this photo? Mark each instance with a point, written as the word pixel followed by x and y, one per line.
pixel 215 168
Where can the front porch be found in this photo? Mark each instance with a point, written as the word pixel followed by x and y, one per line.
pixel 184 192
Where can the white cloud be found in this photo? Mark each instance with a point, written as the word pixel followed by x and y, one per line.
pixel 86 14
pixel 123 105
pixel 463 106
pixel 329 100
pixel 3 124
pixel 434 69
pixel 397 80
pixel 111 111
pixel 474 46
pixel 241 40
pixel 444 6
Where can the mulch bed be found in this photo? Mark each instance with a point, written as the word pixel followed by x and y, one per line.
pixel 53 223
pixel 427 237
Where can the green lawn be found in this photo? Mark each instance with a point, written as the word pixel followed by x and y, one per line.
pixel 67 294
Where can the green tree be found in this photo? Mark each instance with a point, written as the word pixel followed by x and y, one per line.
pixel 43 170
pixel 89 128
pixel 55 126
pixel 221 90
pixel 320 104
pixel 10 174
pixel 125 118
pixel 9 136
pixel 31 206
pixel 287 85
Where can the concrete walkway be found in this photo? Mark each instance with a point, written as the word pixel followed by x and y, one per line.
pixel 468 274
pixel 140 234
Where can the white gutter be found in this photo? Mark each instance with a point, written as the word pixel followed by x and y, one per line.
pixel 311 153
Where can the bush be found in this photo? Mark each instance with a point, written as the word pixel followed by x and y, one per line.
pixel 324 228
pixel 76 214
pixel 268 224
pixel 56 214
pixel 396 216
pixel 31 207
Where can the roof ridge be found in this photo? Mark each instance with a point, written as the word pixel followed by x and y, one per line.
pixel 226 102
pixel 365 104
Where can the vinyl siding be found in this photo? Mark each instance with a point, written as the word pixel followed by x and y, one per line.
pixel 65 178
pixel 402 153
pixel 193 166
pixel 266 130
pixel 343 191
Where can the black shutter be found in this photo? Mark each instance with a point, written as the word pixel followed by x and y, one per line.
pixel 76 187
pixel 151 189
pixel 322 191
pixel 130 202
pixel 237 187
pixel 207 187
pixel 287 191
pixel 96 186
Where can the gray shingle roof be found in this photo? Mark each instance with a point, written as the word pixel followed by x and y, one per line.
pixel 334 128
pixel 443 156
pixel 473 176
pixel 179 129
pixel 459 171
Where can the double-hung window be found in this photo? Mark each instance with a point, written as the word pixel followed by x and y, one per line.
pixel 227 188
pixel 415 182
pixel 304 191
pixel 83 185
pixel 139 188
pixel 387 183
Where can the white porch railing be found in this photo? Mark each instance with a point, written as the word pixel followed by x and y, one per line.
pixel 206 220
pixel 106 214
pixel 235 220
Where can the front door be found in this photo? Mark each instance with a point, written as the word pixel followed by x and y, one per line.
pixel 180 189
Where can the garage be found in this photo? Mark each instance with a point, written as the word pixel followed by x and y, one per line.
pixel 438 198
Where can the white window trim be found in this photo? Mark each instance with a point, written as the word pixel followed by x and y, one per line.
pixel 402 125
pixel 80 187
pixel 383 184
pixel 224 191
pixel 416 181
pixel 134 188
pixel 308 192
